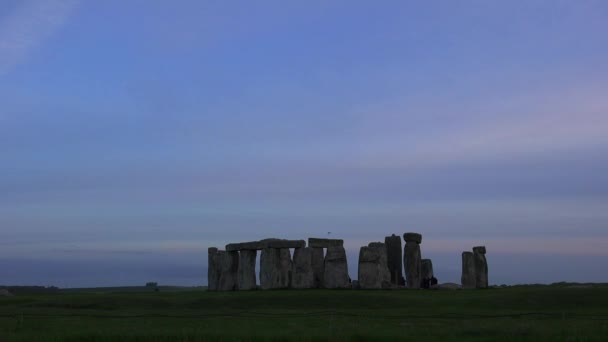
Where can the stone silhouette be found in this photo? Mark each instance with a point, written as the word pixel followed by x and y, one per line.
pixel 481 267
pixel 394 255
pixel 336 268
pixel 318 266
pixel 426 266
pixel 302 275
pixel 412 260
pixel 246 273
pixel 373 267
pixel 228 267
pixel 275 268
pixel 468 279
pixel 213 274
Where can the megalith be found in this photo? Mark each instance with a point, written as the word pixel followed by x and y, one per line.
pixel 275 268
pixel 228 268
pixel 481 267
pixel 467 279
pixel 373 267
pixel 394 255
pixel 302 275
pixel 336 268
pixel 213 275
pixel 246 274
pixel 318 266
pixel 426 267
pixel 412 260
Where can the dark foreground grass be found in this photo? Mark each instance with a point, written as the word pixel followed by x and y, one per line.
pixel 506 314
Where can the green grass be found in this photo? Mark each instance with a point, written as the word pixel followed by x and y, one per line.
pixel 555 313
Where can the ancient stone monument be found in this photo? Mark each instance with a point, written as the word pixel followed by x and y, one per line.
pixel 228 263
pixel 481 267
pixel 246 273
pixel 412 260
pixel 213 275
pixel 467 278
pixel 373 267
pixel 426 266
pixel 336 268
pixel 395 259
pixel 302 275
pixel 318 247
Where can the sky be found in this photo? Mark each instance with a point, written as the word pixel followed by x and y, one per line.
pixel 136 134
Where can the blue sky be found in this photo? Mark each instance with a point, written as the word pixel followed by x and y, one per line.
pixel 135 134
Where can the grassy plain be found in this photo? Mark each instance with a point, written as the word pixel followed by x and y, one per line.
pixel 526 313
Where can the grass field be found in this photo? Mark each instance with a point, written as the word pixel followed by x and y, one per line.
pixel 532 313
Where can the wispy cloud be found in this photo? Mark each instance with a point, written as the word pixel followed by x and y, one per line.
pixel 28 26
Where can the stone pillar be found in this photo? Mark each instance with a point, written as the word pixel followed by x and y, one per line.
pixel 246 274
pixel 412 260
pixel 481 267
pixel 373 267
pixel 275 268
pixel 395 259
pixel 302 275
pixel 467 278
pixel 318 266
pixel 228 268
pixel 426 266
pixel 213 275
pixel 336 268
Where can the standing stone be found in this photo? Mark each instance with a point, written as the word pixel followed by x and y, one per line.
pixel 303 277
pixel 213 275
pixel 467 278
pixel 228 268
pixel 426 266
pixel 395 259
pixel 318 266
pixel 481 267
pixel 246 274
pixel 412 260
pixel 336 268
pixel 373 268
pixel 275 268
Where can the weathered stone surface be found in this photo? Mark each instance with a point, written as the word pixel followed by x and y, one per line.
pixel 479 249
pixel 318 266
pixel 228 263
pixel 325 243
pixel 252 245
pixel 302 275
pixel 279 243
pixel 481 267
pixel 373 268
pixel 336 268
pixel 266 243
pixel 412 261
pixel 275 268
pixel 213 275
pixel 426 266
pixel 394 255
pixel 412 237
pixel 467 279
pixel 246 274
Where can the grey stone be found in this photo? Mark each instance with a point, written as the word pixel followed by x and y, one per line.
pixel 373 268
pixel 412 237
pixel 467 279
pixel 412 261
pixel 252 245
pixel 336 268
pixel 481 267
pixel 394 255
pixel 213 274
pixel 246 274
pixel 275 268
pixel 325 243
pixel 228 268
pixel 280 243
pixel 302 275
pixel 426 266
pixel 318 266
